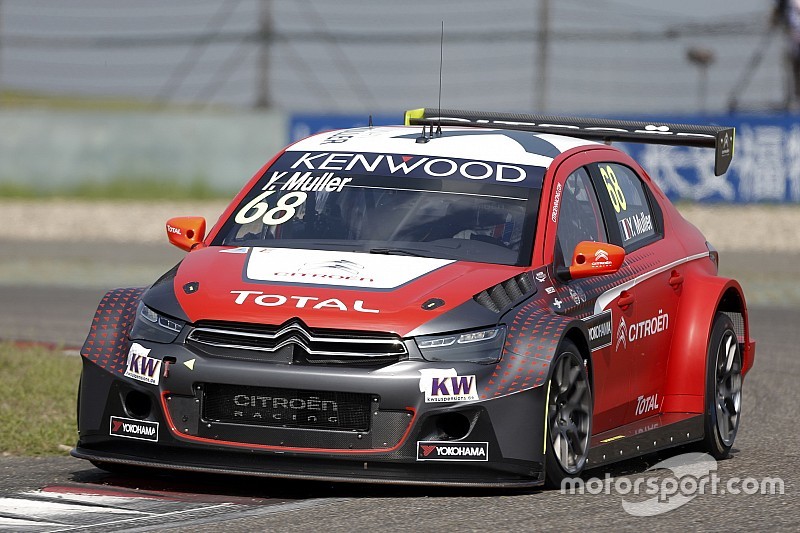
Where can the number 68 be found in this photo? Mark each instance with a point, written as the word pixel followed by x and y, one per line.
pixel 614 192
pixel 287 203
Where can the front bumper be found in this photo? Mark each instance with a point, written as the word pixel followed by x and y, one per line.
pixel 402 437
pixel 507 428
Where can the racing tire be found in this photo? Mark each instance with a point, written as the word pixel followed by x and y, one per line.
pixel 723 395
pixel 569 416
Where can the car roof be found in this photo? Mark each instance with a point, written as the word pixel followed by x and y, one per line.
pixel 484 144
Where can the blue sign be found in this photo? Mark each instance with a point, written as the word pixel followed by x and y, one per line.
pixel 765 167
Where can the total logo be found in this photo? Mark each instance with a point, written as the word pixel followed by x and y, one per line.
pixel 445 385
pixel 129 428
pixel 299 302
pixel 645 404
pixel 452 451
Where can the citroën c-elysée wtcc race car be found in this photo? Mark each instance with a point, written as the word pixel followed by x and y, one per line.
pixel 467 299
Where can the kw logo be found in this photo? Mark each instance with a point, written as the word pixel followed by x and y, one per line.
pixel 458 385
pixel 445 385
pixel 141 366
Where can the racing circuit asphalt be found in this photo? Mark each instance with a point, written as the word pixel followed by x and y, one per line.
pixel 49 294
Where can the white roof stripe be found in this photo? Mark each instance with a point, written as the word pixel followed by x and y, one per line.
pixel 480 144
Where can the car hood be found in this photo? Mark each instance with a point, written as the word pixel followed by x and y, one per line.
pixel 327 289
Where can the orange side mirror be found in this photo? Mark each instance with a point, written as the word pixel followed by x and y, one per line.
pixel 594 259
pixel 186 232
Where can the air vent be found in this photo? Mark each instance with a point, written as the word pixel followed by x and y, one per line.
pixel 505 294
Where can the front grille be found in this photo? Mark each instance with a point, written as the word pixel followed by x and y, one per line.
pixel 294 343
pixel 290 408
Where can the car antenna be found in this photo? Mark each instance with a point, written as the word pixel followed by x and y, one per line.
pixel 370 120
pixel 441 61
pixel 423 138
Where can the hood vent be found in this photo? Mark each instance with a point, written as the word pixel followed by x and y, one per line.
pixel 505 294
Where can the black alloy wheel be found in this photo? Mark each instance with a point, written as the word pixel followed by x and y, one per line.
pixel 569 416
pixel 723 388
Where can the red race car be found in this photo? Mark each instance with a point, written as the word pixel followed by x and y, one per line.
pixel 468 299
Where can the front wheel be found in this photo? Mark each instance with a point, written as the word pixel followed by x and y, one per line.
pixel 569 416
pixel 723 388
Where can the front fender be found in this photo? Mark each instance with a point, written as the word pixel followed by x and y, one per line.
pixel 107 343
pixel 534 334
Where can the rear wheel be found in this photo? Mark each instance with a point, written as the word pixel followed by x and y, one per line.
pixel 569 416
pixel 723 388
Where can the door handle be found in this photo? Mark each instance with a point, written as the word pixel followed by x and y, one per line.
pixel 625 300
pixel 675 279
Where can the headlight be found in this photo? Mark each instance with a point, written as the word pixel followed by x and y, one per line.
pixel 153 326
pixel 483 346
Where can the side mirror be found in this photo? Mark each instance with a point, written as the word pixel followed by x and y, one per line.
pixel 592 259
pixel 186 232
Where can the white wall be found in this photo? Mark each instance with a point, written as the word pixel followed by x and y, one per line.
pixel 49 149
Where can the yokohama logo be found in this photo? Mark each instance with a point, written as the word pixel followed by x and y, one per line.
pixel 133 429
pixel 452 451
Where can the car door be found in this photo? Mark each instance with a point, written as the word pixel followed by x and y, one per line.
pixel 578 217
pixel 645 306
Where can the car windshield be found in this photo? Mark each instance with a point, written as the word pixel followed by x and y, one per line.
pixel 442 218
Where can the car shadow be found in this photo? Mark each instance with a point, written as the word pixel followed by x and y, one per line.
pixel 254 490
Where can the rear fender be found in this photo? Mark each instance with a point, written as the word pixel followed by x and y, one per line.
pixel 703 296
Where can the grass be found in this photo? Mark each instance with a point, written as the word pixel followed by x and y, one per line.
pixel 20 98
pixel 120 189
pixel 37 400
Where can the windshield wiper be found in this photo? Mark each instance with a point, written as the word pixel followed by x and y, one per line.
pixel 394 251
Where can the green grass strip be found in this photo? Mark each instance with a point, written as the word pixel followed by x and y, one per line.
pixel 120 189
pixel 37 400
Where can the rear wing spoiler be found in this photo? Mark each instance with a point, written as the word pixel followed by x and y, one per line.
pixel 717 137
